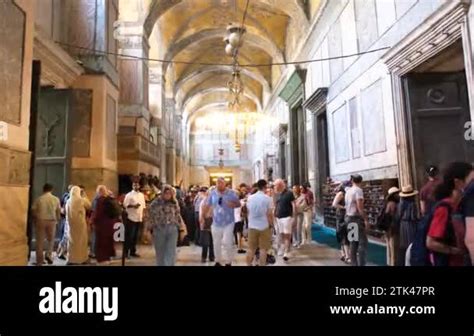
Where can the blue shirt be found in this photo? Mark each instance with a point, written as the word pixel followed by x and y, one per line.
pixel 223 214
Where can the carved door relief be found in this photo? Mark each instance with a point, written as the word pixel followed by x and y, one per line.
pixel 63 131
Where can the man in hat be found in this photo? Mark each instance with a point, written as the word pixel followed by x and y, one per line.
pixel 356 219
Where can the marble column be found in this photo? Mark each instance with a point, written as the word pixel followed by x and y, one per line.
pixel 137 151
pixel 88 25
pixel 170 131
pixel 16 58
pixel 157 109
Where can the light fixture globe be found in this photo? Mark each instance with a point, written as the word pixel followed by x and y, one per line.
pixel 235 38
pixel 229 50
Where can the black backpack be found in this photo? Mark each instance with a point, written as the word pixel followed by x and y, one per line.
pixel 112 208
pixel 384 220
pixel 420 255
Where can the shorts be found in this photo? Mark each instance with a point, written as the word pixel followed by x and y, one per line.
pixel 285 225
pixel 260 239
pixel 239 227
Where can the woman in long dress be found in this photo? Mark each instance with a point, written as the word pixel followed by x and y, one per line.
pixel 76 208
pixel 107 213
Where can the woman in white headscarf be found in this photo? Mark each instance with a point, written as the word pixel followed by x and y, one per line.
pixel 76 208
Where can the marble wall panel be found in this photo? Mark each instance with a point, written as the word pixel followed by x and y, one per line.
pixel 82 123
pixel 366 21
pixel 111 129
pixel 12 37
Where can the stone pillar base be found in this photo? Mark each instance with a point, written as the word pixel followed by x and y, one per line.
pixel 13 217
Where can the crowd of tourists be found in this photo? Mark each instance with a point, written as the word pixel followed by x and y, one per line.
pixel 431 227
pixel 263 221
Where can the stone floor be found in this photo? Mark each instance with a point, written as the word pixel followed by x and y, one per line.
pixel 309 255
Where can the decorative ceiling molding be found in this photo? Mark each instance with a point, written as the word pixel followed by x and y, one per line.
pixel 157 9
pixel 266 45
pixel 59 69
pixel 434 35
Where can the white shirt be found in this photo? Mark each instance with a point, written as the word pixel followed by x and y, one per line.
pixel 352 196
pixel 259 205
pixel 134 198
pixel 238 212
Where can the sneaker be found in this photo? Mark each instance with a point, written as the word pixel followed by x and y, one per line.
pixel 212 259
pixel 48 260
pixel 241 251
pixel 285 257
pixel 62 257
pixel 203 260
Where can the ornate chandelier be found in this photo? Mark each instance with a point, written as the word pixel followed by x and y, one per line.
pixel 233 42
pixel 236 88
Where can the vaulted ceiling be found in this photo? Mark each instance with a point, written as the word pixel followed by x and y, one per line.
pixel 192 31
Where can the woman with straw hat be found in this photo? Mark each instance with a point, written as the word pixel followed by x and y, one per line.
pixel 408 217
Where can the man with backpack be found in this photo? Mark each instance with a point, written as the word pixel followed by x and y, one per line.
pixel 440 239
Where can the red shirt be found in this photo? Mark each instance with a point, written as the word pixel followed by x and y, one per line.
pixel 438 229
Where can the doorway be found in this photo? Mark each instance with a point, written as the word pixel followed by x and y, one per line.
pixel 282 152
pixel 299 169
pixel 229 179
pixel 322 150
pixel 437 105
